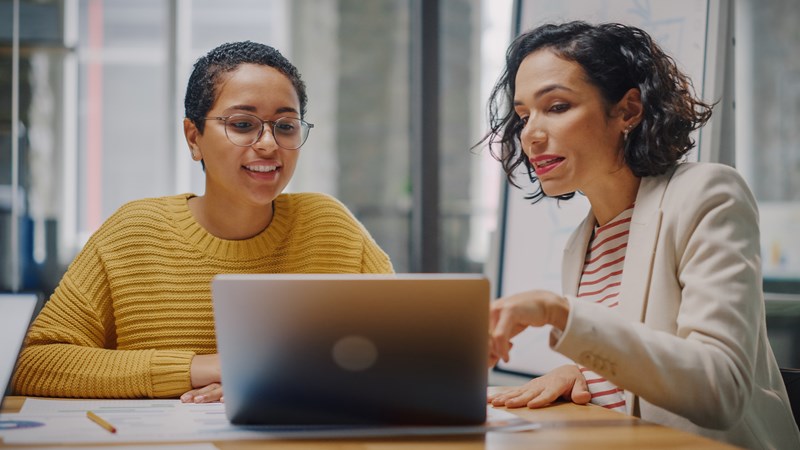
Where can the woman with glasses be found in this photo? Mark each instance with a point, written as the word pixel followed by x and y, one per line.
pixel 662 309
pixel 132 316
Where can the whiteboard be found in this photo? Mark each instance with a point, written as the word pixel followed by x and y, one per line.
pixel 532 237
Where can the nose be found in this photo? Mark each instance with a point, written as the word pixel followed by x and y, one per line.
pixel 266 141
pixel 532 136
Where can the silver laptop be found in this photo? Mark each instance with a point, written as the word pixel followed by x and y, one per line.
pixel 353 349
pixel 16 312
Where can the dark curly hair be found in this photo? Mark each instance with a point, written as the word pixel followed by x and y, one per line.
pixel 201 92
pixel 615 58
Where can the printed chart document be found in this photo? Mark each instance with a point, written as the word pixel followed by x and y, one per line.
pixel 43 421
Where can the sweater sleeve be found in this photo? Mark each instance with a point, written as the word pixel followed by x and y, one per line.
pixel 70 350
pixel 375 260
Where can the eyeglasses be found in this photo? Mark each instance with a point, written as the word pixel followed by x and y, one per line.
pixel 244 130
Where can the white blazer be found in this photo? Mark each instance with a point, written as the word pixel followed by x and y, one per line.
pixel 688 342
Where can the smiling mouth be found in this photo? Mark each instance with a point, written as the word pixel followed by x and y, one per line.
pixel 261 169
pixel 547 162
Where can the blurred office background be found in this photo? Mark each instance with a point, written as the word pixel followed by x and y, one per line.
pixel 91 110
pixel 101 85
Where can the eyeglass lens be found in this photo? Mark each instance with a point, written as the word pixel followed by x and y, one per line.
pixel 245 130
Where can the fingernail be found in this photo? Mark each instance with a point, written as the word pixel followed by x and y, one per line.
pixel 186 397
pixel 199 399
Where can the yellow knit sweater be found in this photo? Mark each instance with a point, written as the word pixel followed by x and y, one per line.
pixel 135 305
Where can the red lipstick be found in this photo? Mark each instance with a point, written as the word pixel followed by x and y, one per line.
pixel 543 164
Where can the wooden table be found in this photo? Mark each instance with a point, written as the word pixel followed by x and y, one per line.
pixel 564 426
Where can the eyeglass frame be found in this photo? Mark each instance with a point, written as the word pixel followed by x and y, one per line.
pixel 272 123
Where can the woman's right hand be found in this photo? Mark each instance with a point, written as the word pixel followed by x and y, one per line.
pixel 566 381
pixel 510 315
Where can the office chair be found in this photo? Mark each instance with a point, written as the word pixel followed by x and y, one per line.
pixel 791 378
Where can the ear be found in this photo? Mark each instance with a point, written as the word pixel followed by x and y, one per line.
pixel 630 109
pixel 191 133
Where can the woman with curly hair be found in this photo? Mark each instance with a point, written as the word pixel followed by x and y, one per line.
pixel 662 308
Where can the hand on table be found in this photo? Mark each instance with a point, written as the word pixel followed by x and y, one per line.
pixel 206 380
pixel 206 394
pixel 566 381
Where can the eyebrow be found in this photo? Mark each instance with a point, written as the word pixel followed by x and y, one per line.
pixel 545 90
pixel 252 108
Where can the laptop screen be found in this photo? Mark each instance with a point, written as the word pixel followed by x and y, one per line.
pixel 16 311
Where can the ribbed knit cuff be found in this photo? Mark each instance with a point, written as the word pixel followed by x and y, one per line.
pixel 170 372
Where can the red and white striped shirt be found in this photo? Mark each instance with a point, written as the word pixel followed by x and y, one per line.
pixel 600 283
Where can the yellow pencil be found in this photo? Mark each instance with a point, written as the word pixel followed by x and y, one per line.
pixel 96 419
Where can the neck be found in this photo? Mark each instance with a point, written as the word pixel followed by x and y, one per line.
pixel 230 221
pixel 613 195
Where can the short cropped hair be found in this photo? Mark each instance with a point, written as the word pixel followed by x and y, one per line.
pixel 201 92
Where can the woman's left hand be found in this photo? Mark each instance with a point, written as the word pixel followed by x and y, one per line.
pixel 508 316
pixel 205 394
pixel 566 381
pixel 206 380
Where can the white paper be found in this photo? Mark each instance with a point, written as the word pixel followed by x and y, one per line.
pixel 65 421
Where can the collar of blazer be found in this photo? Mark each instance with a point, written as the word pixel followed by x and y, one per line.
pixel 640 253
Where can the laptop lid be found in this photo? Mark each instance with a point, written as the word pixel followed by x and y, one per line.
pixel 353 349
pixel 16 312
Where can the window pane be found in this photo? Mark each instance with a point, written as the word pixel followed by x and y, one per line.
pixel 214 22
pixel 459 56
pixel 354 56
pixel 29 254
pixel 474 36
pixel 768 111
pixel 123 146
pixel 768 154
